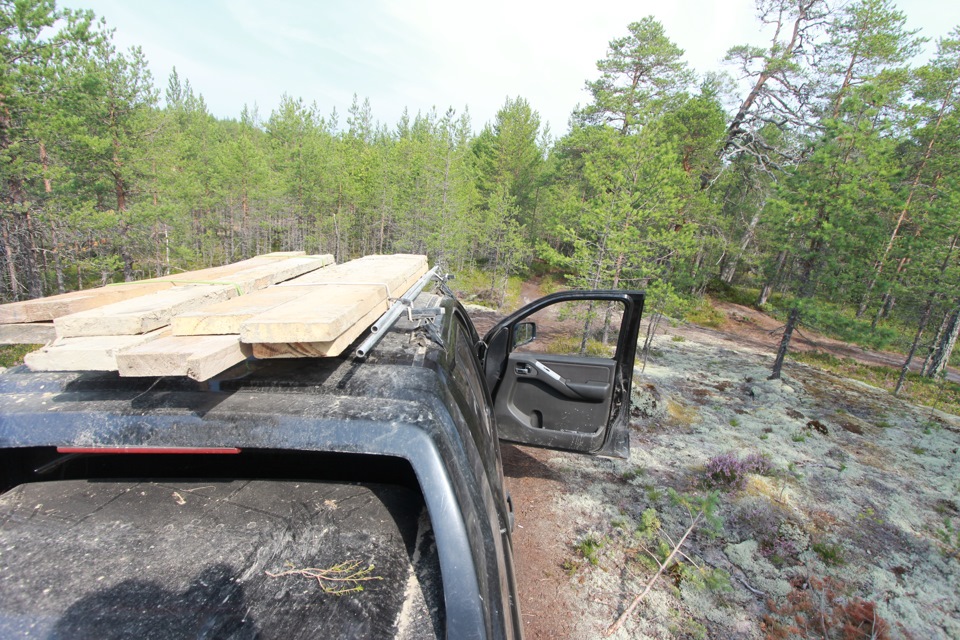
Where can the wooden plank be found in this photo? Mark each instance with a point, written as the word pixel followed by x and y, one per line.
pixel 330 348
pixel 52 307
pixel 142 314
pixel 323 313
pixel 149 312
pixel 30 333
pixel 375 268
pixel 258 275
pixel 199 358
pixel 227 317
pixel 96 353
pixel 318 316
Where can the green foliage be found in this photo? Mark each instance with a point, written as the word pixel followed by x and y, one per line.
pixel 641 77
pixel 707 503
pixel 590 546
pixel 919 389
pixel 649 526
pixel 710 579
pixel 704 314
pixel 632 474
pixel 834 322
pixel 720 290
pixel 831 554
pixel 653 494
pixel 949 538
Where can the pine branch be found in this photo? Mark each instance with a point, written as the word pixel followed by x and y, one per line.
pixel 663 567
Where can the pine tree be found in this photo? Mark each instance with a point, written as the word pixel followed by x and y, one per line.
pixel 863 78
pixel 36 40
pixel 641 78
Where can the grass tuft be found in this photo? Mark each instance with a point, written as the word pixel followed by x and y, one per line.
pixel 12 355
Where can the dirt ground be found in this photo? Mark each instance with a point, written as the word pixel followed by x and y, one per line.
pixel 851 532
pixel 750 327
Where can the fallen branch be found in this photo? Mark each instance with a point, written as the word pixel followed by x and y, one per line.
pixel 663 567
pixel 750 588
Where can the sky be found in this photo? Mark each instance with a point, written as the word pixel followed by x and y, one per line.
pixel 422 54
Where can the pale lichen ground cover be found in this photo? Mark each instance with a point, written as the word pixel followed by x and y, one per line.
pixel 863 493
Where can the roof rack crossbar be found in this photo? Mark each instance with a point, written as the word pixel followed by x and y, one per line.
pixel 379 328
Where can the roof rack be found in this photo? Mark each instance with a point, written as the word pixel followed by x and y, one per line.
pixel 404 303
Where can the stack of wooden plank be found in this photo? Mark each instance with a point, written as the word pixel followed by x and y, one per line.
pixel 200 323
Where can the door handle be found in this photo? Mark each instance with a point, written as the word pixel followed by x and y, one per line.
pixel 522 369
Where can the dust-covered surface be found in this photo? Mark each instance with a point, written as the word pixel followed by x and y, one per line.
pixel 217 559
pixel 852 529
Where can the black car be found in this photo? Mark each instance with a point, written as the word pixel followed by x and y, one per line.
pixel 306 498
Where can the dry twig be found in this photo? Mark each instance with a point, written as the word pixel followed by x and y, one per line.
pixel 337 580
pixel 663 567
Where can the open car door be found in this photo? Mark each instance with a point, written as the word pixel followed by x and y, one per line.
pixel 560 370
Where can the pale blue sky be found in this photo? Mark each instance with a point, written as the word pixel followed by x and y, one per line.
pixel 422 53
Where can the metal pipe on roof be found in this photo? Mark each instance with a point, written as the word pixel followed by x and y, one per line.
pixel 379 328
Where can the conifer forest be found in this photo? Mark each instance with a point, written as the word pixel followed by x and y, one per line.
pixel 818 174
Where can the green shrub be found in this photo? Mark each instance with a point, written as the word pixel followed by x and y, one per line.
pixel 704 314
pixel 590 547
pixel 833 321
pixel 571 345
pixel 831 554
pixel 743 296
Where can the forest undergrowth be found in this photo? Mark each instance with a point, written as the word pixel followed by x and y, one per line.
pixel 835 506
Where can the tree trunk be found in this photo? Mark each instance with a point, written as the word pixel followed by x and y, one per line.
pixel 792 321
pixel 878 266
pixel 596 285
pixel 730 269
pixel 924 319
pixel 945 343
pixel 57 263
pixel 34 275
pixel 806 291
pixel 608 315
pixel 768 286
pixel 734 129
pixel 11 260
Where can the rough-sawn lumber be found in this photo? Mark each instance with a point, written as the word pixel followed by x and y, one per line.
pixel 95 353
pixel 197 357
pixel 149 312
pixel 329 309
pixel 51 307
pixel 27 333
pixel 322 311
pixel 345 295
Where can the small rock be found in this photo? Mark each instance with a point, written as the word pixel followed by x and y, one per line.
pixel 647 402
